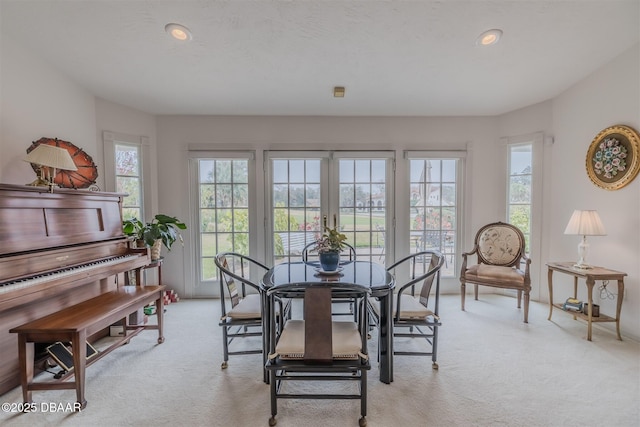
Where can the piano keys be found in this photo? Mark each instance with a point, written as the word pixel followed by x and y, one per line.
pixel 52 276
pixel 56 250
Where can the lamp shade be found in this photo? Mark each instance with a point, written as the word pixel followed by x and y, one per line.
pixel 585 223
pixel 50 156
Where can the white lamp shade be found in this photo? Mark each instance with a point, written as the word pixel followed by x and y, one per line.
pixel 50 156
pixel 585 223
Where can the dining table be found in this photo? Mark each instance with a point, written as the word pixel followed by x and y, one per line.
pixel 370 274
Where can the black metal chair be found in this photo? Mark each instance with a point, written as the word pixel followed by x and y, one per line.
pixel 318 348
pixel 242 312
pixel 347 255
pixel 309 257
pixel 419 314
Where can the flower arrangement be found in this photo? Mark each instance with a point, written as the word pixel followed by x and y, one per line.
pixel 610 158
pixel 331 241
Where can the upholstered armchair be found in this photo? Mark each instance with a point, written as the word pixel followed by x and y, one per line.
pixel 501 262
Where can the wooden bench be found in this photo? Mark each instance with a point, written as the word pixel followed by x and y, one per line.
pixel 74 324
pixel 294 242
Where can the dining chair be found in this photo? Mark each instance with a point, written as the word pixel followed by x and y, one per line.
pixel 418 315
pixel 242 312
pixel 318 348
pixel 501 263
pixel 347 255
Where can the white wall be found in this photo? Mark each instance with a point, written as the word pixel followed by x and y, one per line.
pixel 176 133
pixel 124 120
pixel 38 101
pixel 608 97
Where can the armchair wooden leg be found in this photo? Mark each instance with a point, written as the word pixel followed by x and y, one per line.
pixel 462 294
pixel 519 298
pixel 475 292
pixel 526 307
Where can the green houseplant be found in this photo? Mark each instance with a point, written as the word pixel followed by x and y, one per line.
pixel 163 229
pixel 329 246
pixel 331 241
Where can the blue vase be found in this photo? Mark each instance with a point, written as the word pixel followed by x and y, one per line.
pixel 329 260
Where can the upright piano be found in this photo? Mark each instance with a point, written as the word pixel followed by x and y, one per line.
pixel 56 250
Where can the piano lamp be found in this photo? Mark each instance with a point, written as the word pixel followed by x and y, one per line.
pixel 49 159
pixel 584 223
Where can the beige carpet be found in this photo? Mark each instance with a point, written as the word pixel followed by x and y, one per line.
pixel 494 371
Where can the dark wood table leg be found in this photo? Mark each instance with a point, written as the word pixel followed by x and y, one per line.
pixel 385 338
pixel 266 332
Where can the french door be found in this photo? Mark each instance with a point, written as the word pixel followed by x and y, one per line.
pixel 270 205
pixel 225 195
pixel 349 190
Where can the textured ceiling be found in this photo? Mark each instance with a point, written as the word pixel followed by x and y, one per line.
pixel 395 58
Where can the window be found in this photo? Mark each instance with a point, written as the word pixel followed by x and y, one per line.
pixel 519 188
pixel 223 211
pixel 125 157
pixel 351 189
pixel 363 205
pixel 434 205
pixel 129 179
pixel 346 189
pixel 296 206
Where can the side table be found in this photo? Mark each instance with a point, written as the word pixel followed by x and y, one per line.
pixel 141 279
pixel 156 263
pixel 590 275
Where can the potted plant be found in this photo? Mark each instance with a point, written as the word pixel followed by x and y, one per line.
pixel 329 246
pixel 162 230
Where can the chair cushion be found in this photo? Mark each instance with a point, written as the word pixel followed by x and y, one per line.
pixel 347 342
pixel 247 308
pixel 410 307
pixel 488 273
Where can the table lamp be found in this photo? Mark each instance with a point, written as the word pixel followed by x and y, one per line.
pixel 584 223
pixel 49 160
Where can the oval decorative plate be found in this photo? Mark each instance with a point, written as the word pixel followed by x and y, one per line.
pixel 87 172
pixel 613 157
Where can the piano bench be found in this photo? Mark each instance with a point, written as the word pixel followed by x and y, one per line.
pixel 77 322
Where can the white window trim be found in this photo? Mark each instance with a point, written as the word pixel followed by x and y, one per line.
pixel 109 140
pixel 537 171
pixel 196 287
pixel 402 205
pixel 390 184
pixel 268 156
pixel 331 203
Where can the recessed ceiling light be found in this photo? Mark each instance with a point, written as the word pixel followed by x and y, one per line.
pixel 178 32
pixel 338 92
pixel 489 37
